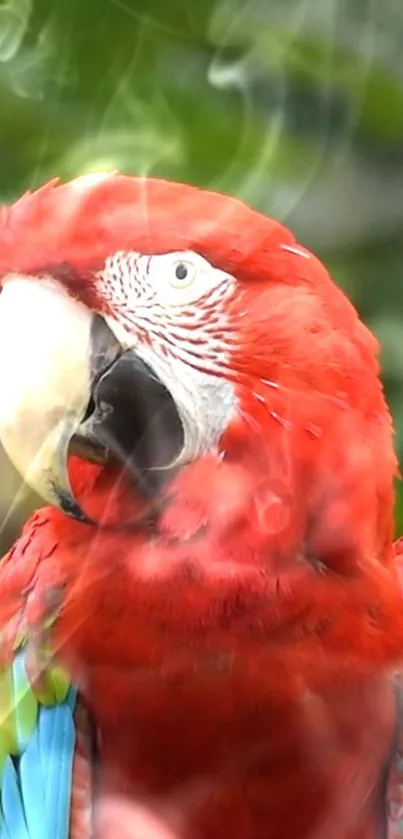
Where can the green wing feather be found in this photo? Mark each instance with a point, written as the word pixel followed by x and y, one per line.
pixel 37 751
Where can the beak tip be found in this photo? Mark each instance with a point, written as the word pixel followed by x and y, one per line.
pixel 69 506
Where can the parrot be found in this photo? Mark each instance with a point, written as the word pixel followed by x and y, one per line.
pixel 201 629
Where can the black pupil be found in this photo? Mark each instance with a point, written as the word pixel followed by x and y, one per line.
pixel 181 271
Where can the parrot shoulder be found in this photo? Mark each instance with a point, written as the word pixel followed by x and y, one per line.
pixel 45 732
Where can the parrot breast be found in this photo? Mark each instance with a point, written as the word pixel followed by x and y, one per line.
pixel 229 686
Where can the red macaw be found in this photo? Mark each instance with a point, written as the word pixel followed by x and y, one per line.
pixel 201 635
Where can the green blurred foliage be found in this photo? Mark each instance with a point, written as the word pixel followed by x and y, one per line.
pixel 297 106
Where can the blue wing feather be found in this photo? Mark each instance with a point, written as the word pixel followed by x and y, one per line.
pixel 36 788
pixel 60 764
pixel 13 824
pixel 32 780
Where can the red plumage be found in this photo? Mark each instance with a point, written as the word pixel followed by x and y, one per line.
pixel 80 225
pixel 237 653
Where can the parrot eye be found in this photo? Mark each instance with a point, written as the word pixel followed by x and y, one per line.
pixel 183 274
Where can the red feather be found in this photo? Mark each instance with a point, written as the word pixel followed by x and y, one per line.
pixel 82 222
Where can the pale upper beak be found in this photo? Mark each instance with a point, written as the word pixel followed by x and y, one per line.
pixel 64 377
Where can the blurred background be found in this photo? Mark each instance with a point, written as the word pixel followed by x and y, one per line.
pixel 294 105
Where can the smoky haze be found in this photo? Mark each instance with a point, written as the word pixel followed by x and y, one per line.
pixel 297 107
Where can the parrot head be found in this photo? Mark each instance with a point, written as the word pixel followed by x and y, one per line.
pixel 166 339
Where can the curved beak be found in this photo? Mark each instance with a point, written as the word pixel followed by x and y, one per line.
pixel 52 349
pixel 67 386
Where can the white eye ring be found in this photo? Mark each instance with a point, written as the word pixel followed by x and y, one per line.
pixel 183 274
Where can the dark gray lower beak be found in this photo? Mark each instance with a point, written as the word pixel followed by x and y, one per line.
pixel 133 418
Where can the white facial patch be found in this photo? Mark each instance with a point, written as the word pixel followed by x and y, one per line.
pixel 173 309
